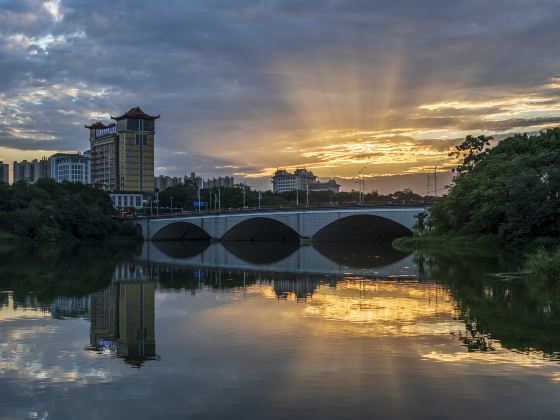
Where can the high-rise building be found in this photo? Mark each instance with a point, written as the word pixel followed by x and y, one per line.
pixel 220 182
pixel 23 171
pixel 103 141
pixel 72 167
pixel 31 171
pixel 4 172
pixel 193 180
pixel 163 182
pixel 302 180
pixel 122 156
pixel 40 169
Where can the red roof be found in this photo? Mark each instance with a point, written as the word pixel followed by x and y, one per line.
pixel 99 124
pixel 135 113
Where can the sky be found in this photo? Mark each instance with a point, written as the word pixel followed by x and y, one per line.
pixel 377 90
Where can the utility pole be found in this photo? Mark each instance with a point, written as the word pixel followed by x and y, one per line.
pixel 435 182
pixel 157 203
pixel 243 190
pixel 259 199
pixel 307 194
pixel 171 198
pixel 297 197
pixel 219 200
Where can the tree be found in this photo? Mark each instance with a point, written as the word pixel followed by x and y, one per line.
pixel 471 151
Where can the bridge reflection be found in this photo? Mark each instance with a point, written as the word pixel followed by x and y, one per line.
pixel 356 258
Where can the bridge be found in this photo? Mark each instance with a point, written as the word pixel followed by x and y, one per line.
pixel 304 225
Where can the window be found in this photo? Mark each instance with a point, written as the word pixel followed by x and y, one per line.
pixel 138 139
pixel 148 125
pixel 133 124
pixel 144 139
pixel 138 201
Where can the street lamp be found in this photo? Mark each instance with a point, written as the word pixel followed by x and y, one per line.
pixel 171 198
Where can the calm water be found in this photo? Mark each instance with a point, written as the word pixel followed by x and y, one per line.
pixel 269 331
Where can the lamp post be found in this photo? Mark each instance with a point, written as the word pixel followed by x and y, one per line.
pixel 307 194
pixel 219 200
pixel 259 199
pixel 171 205
pixel 243 191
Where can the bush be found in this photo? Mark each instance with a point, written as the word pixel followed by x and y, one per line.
pixel 544 264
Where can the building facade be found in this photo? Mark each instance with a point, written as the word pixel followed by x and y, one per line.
pixel 31 171
pixel 302 180
pixel 4 172
pixel 71 167
pixel 122 155
pixel 193 180
pixel 163 182
pixel 220 182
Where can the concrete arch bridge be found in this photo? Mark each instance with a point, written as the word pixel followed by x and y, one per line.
pixel 304 225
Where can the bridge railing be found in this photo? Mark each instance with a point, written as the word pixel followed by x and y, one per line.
pixel 166 212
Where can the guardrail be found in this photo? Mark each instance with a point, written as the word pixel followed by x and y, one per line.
pixel 265 209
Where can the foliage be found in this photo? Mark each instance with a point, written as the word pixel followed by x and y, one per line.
pixel 49 211
pixel 51 270
pixel 511 190
pixel 495 300
pixel 471 151
pixel 544 264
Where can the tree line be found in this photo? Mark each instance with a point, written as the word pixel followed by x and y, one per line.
pixel 49 211
pixel 184 196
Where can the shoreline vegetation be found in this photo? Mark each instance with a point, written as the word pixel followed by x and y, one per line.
pixel 47 211
pixel 503 197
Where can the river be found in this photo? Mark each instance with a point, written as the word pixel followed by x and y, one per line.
pixel 272 330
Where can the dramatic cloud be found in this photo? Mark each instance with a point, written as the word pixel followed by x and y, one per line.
pixel 247 86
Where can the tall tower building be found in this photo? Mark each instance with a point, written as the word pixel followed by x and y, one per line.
pixel 103 141
pixel 122 156
pixel 136 131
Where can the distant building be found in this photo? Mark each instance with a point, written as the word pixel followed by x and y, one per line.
pixel 71 167
pixel 4 172
pixel 163 182
pixel 40 169
pixel 194 180
pixel 220 182
pixel 329 185
pixel 300 179
pixel 31 171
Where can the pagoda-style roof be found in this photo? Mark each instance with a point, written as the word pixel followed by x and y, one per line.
pixel 99 124
pixel 135 112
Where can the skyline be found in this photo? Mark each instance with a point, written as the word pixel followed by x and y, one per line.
pixel 245 87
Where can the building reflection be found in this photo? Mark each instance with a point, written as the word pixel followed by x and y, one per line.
pixel 123 316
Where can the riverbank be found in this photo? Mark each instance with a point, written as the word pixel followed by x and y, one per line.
pixel 448 243
pixel 536 260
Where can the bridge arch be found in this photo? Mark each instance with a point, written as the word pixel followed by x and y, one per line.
pixel 260 229
pixel 362 227
pixel 181 231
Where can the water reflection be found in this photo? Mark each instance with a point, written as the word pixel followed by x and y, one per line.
pixel 362 258
pixel 325 324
